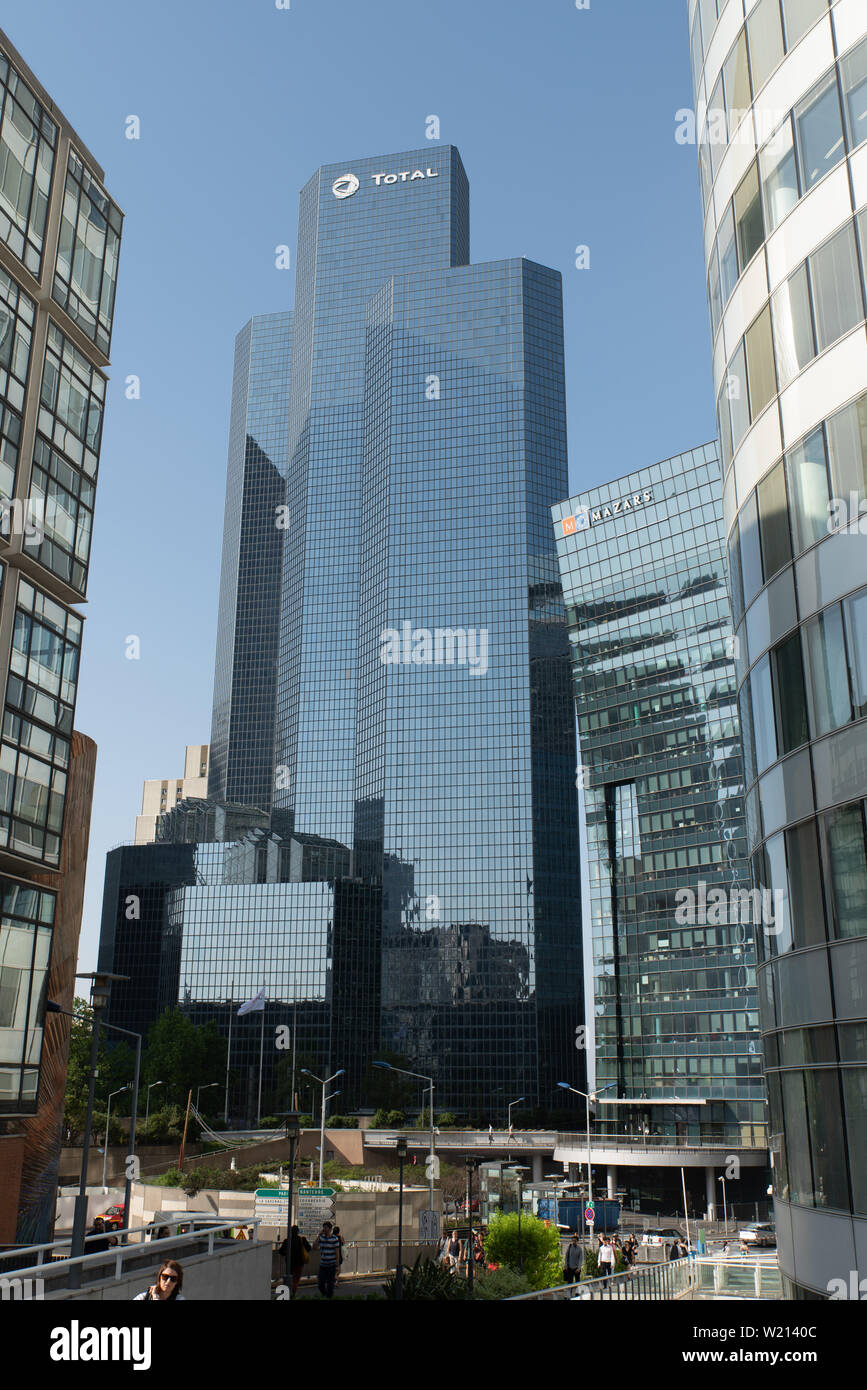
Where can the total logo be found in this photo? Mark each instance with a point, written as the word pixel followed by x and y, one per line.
pixel 347 184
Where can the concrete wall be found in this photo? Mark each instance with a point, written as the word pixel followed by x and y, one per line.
pixel 153 1157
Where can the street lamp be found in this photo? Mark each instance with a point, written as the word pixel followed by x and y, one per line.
pixel 327 1082
pixel 209 1086
pixel 511 1103
pixel 472 1164
pixel 148 1102
pixel 401 1159
pixel 419 1076
pixel 591 1096
pixel 725 1208
pixel 292 1132
pixel 118 1092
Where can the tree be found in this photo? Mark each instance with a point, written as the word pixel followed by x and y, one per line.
pixel 540 1248
pixel 78 1071
pixel 183 1055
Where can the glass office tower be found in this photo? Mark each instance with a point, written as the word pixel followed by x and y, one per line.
pixel 423 708
pixel 245 676
pixel 642 562
pixel 781 96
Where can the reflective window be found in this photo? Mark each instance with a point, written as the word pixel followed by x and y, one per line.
pixel 793 326
pixel 799 16
pixel 28 138
pixel 728 256
pixel 72 400
pixel 736 77
pixel 751 554
pixel 847 442
pixel 809 494
pixel 855 1101
pixel 17 312
pixel 760 363
pixel 774 522
pixel 854 70
pixel 779 171
pixel 836 280
pixel 25 954
pixel 805 885
pixel 797 1138
pixel 87 254
pixel 820 131
pixel 736 388
pixel 748 217
pixel 824 1110
pixel 779 929
pixel 847 853
pixel 763 715
pixel 765 34
pixel 791 696
pixel 855 610
pixel 829 681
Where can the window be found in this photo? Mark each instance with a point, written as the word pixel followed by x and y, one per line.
pixel 746 722
pixel 799 16
pixel 735 581
pixel 847 442
pixel 805 885
pixel 763 715
pixel 736 390
pixel 855 610
pixel 717 129
pixel 836 282
pixel 847 855
pixel 760 363
pixel 748 217
pixel 780 189
pixel 779 931
pixel 751 556
pixel 791 696
pixel 728 256
pixel 765 34
pixel 774 522
pixel 855 1096
pixel 807 471
pixel 793 326
pixel 736 77
pixel 820 132
pixel 829 682
pixel 708 21
pixel 854 69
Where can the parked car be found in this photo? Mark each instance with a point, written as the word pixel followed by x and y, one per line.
pixel 660 1236
pixel 112 1217
pixel 759 1233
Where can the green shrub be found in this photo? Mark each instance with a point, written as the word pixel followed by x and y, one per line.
pixel 342 1122
pixel 500 1283
pixel 396 1119
pixel 447 1120
pixel 380 1119
pixel 272 1122
pixel 427 1281
pixel 166 1126
pixel 540 1248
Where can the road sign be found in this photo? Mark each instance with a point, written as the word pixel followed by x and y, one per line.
pixel 272 1205
pixel 590 1216
pixel 316 1192
pixel 428 1225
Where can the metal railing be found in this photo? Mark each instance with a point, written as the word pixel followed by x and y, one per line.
pixel 698 1276
pixel 57 1269
pixel 726 1139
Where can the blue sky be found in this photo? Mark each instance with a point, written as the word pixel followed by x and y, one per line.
pixel 565 122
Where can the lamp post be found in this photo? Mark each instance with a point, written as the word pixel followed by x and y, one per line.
pixel 148 1102
pixel 725 1208
pixel 472 1165
pixel 323 1084
pixel 199 1090
pixel 401 1159
pixel 292 1132
pixel 118 1092
pixel 387 1066
pixel 99 996
pixel 511 1103
pixel 589 1097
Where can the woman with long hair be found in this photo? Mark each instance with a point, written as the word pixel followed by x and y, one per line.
pixel 170 1281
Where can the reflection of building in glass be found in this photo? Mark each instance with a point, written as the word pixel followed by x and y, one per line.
pixel 242 729
pixel 159 796
pixel 643 569
pixel 426 445
pixel 785 204
pixel 60 236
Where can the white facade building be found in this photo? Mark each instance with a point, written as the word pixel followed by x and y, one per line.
pixel 163 795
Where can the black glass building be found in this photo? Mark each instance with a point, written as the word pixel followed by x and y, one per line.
pixel 671 919
pixel 245 675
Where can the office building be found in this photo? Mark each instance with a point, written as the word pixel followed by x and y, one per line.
pixel 59 244
pixel 781 97
pixel 245 676
pixel 159 796
pixel 673 1018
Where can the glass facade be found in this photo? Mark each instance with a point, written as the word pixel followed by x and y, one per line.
pixel 793 420
pixel 676 1014
pixel 26 928
pixel 28 145
pixel 245 677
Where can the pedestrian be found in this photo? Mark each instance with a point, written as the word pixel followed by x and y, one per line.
pixel 339 1251
pixel 606 1260
pixel 328 1245
pixel 674 1250
pixel 725 1250
pixel 299 1256
pixel 490 1134
pixel 574 1261
pixel 454 1250
pixel 98 1238
pixel 511 1131
pixel 478 1249
pixel 170 1281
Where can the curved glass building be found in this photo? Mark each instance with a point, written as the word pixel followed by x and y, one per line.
pixel 781 123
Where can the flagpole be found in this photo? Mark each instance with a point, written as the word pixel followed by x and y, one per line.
pixel 228 1056
pixel 261 1054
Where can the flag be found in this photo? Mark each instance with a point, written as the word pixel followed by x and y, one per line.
pixel 257 1002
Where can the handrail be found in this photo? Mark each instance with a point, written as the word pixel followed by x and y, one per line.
pixel 118 1255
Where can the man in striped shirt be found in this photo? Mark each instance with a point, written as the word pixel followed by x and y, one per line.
pixel 328 1246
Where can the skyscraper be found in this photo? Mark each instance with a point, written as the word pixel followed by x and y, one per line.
pixel 424 713
pixel 245 675
pixel 781 97
pixel 59 246
pixel 643 564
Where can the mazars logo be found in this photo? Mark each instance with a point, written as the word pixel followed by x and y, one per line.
pixel 345 186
